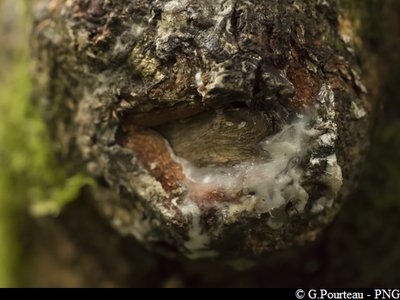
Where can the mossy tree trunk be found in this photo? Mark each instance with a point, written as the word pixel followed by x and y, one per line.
pixel 79 248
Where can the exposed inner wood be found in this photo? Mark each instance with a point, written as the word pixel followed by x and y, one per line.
pixel 153 153
pixel 204 138
pixel 212 138
pixel 152 150
pixel 222 137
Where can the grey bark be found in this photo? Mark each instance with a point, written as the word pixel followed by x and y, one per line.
pixel 359 249
pixel 116 78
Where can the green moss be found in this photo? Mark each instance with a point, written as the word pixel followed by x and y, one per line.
pixel 29 174
pixel 14 90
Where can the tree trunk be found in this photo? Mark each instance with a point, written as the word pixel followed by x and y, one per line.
pixel 151 97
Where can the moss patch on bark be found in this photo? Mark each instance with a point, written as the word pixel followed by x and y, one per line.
pixel 29 174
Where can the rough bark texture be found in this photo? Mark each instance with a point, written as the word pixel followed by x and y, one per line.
pixel 216 128
pixel 361 248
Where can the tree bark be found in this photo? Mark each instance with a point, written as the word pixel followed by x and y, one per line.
pixel 107 72
pixel 138 92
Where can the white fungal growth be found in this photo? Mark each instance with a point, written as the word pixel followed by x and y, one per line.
pixel 199 80
pixel 263 186
pixel 198 241
pixel 257 188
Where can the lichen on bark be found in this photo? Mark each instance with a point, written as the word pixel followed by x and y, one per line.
pixel 160 100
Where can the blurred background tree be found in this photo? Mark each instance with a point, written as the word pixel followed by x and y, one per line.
pixel 77 248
